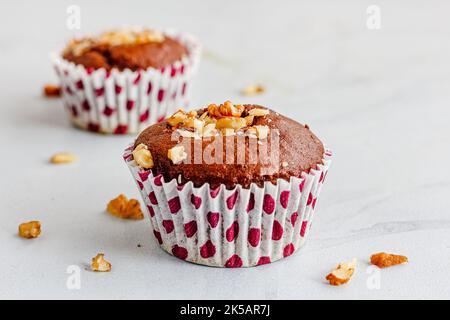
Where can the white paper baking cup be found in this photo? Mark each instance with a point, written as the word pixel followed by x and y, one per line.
pixel 230 228
pixel 122 102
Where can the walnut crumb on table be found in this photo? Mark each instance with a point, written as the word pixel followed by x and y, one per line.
pixel 51 90
pixel 30 230
pixel 123 208
pixel 384 260
pixel 342 273
pixel 100 264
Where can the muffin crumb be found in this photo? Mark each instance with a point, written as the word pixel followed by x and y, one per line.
pixel 29 230
pixel 342 274
pixel 384 260
pixel 100 264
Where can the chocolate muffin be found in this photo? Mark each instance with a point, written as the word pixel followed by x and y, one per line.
pixel 127 49
pixel 229 185
pixel 122 81
pixel 297 150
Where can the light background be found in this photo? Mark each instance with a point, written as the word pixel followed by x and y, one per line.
pixel 378 98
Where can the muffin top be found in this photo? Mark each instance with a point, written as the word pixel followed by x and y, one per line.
pixel 125 49
pixel 228 144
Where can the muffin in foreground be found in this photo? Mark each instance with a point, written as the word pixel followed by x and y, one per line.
pixel 122 81
pixel 229 185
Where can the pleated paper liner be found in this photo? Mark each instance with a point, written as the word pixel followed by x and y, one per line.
pixel 230 228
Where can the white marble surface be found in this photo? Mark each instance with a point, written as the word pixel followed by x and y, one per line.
pixel 378 98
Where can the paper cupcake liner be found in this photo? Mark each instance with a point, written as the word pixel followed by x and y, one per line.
pixel 122 102
pixel 230 228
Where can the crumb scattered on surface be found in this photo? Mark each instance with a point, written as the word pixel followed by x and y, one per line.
pixel 253 90
pixel 100 264
pixel 384 260
pixel 123 208
pixel 63 158
pixel 51 90
pixel 29 230
pixel 342 274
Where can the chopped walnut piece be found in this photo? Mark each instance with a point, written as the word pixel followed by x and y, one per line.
pixel 51 90
pixel 257 112
pixel 63 158
pixel 129 36
pixel 178 117
pixel 177 154
pixel 100 264
pixel 126 209
pixel 143 156
pixel 231 123
pixel 384 260
pixel 342 274
pixel 194 123
pixel 253 90
pixel 227 109
pixel 29 230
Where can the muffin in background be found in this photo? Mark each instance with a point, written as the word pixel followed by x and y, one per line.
pixel 124 80
pixel 251 206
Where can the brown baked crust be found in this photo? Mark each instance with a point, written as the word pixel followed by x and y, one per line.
pixel 129 56
pixel 299 148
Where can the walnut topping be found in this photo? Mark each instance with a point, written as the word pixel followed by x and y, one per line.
pixel 231 123
pixel 178 117
pixel 52 90
pixel 143 156
pixel 29 230
pixel 63 158
pixel 114 38
pixel 100 264
pixel 194 123
pixel 219 118
pixel 227 109
pixel 342 274
pixel 120 37
pixel 257 112
pixel 126 209
pixel 253 90
pixel 177 154
pixel 384 260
